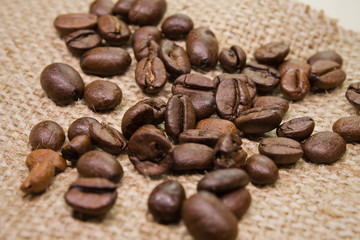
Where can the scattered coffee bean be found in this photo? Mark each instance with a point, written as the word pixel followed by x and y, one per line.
pixel 221 125
pixel 150 75
pixel 348 128
pixel 272 53
pixel 47 134
pixel 82 40
pixel 144 12
pixel 68 23
pixel 237 201
pixel 229 153
pixel 326 55
pixel 80 127
pixel 204 105
pixel 39 155
pixel 232 59
pixel 264 101
pixel 145 49
pixel 261 169
pixel 295 64
pixel 193 84
pixel 251 88
pixel 147 33
pixel 326 74
pixel 298 129
pixel 113 30
pixel 73 150
pixel 177 26
pixel 122 8
pixel 158 106
pixel 101 7
pixel 207 137
pixel 353 94
pixel 294 84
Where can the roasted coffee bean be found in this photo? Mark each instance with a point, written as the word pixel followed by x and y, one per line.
pixel 266 78
pixel 295 64
pixel 150 75
pixel 73 150
pixel 265 101
pixel 232 59
pixel 177 26
pixel 192 156
pixel 39 155
pixel 101 95
pixel 179 116
pixel 237 201
pixel 326 74
pixel 145 49
pixel 165 202
pixel 204 105
pixel 272 53
pixel 294 84
pixel 259 120
pixel 193 84
pixel 113 30
pixel 298 129
pixel 148 151
pixel 202 48
pixel 105 61
pixel 101 7
pixel 147 33
pixel 144 12
pixel 251 88
pixel 100 164
pixel 39 177
pixel 122 8
pixel 107 138
pixel 92 196
pixel 261 169
pixel 175 58
pixel 324 147
pixel 206 218
pixel 221 125
pixel 326 55
pixel 82 40
pixel 223 181
pixel 353 94
pixel 68 23
pixel 80 127
pixel 281 150
pixel 207 137
pixel 229 153
pixel 158 106
pixel 348 128
pixel 62 83
pixel 47 134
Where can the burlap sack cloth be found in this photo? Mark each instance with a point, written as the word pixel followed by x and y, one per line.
pixel 308 201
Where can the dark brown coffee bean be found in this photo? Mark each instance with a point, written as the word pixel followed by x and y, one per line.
pixel 107 138
pixel 353 94
pixel 149 151
pixel 147 33
pixel 298 129
pixel 101 7
pixel 144 12
pixel 82 40
pixel 37 156
pixel 158 106
pixel 221 125
pixel 237 201
pixel 272 53
pixel 202 48
pixel 251 88
pixel 93 196
pixel 113 30
pixel 68 23
pixel 100 164
pixel 204 105
pixel 295 64
pixel 326 74
pixel 122 8
pixel 326 55
pixel 165 202
pixel 179 116
pixel 281 150
pixel 193 84
pixel 175 58
pixel 294 84
pixel 206 218
pixel 150 75
pixel 76 147
pixel 177 26
pixel 229 153
pixel 265 101
pixel 192 156
pixel 145 49
pixel 348 128
pixel 261 169
pixel 223 181
pixel 101 95
pixel 207 137
pixel 105 61
pixel 62 83
pixel 232 59
pixel 80 127
pixel 324 147
pixel 47 134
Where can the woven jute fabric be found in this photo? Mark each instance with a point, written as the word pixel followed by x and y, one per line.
pixel 308 201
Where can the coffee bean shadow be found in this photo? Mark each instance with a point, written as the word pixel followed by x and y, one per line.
pixel 188 172
pixel 88 218
pixel 32 196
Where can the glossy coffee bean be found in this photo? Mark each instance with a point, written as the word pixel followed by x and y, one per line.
pixel 82 40
pixel 294 84
pixel 113 30
pixel 165 202
pixel 147 33
pixel 353 94
pixel 207 137
pixel 101 95
pixel 80 127
pixel 158 106
pixel 229 153
pixel 264 101
pixel 101 7
pixel 177 26
pixel 221 125
pixel 326 74
pixel 326 55
pixel 68 23
pixel 122 8
pixel 348 128
pixel 237 201
pixel 47 134
pixel 150 75
pixel 39 155
pixel 193 84
pixel 62 83
pixel 261 169
pixel 204 105
pixel 272 53
pixel 298 129
pixel 251 88
pixel 232 59
pixel 73 150
pixel 145 49
pixel 295 64
pixel 144 12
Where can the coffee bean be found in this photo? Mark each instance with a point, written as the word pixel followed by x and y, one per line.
pixel 145 49
pixel 73 150
pixel 122 8
pixel 261 169
pixel 144 12
pixel 251 88
pixel 147 33
pixel 39 155
pixel 237 201
pixel 207 137
pixel 158 106
pixel 326 55
pixel 193 84
pixel 192 156
pixel 294 84
pixel 202 48
pixel 229 153
pixel 101 7
pixel 177 26
pixel 93 196
pixel 80 127
pixel 107 138
pixel 295 64
pixel 348 128
pixel 150 75
pixel 47 134
pixel 165 202
pixel 298 129
pixel 232 59
pixel 264 101
pixel 281 150
pixel 81 41
pixel 206 218
pixel 105 61
pixel 68 23
pixel 326 74
pixel 175 58
pixel 62 83
pixel 100 164
pixel 113 30
pixel 148 151
pixel 324 147
pixel 101 95
pixel 221 125
pixel 223 181
pixel 272 53
pixel 204 105
pixel 353 94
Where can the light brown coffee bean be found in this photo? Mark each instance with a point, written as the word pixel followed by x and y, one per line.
pixel 39 155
